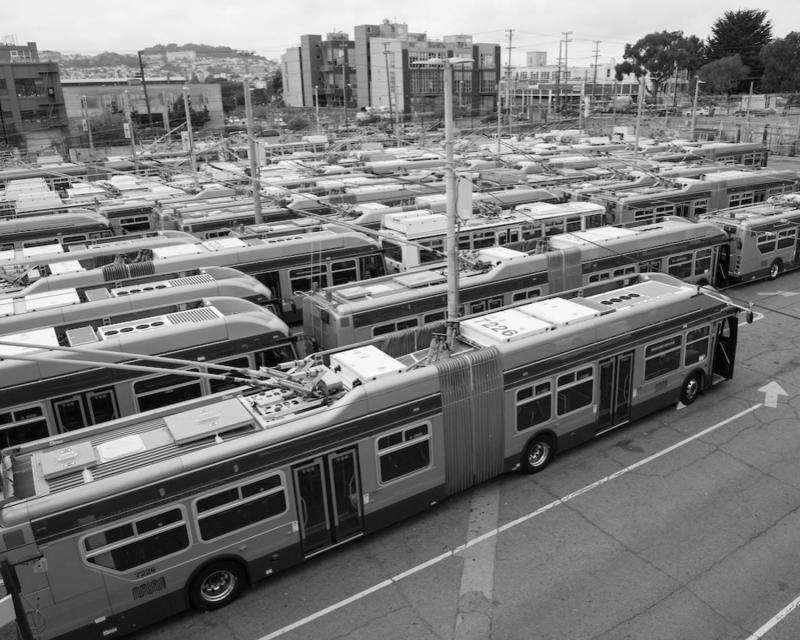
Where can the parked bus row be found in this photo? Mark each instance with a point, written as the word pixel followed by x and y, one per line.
pixel 111 528
pixel 67 390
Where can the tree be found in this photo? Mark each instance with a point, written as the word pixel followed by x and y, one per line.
pixel 724 75
pixel 660 55
pixel 781 60
pixel 744 32
pixel 177 115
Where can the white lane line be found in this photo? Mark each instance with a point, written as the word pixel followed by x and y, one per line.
pixel 473 618
pixel 509 525
pixel 774 620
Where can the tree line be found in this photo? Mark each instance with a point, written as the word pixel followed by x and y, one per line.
pixel 739 56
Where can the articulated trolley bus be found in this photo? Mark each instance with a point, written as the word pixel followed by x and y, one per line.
pixel 523 229
pixel 693 197
pixel 67 391
pixel 492 278
pixel 120 525
pixel 765 240
pixel 20 267
pixel 65 309
pixel 72 226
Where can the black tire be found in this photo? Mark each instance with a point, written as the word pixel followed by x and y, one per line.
pixel 216 586
pixel 775 269
pixel 538 453
pixel 691 387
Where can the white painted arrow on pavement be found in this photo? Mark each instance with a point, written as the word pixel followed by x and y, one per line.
pixel 772 390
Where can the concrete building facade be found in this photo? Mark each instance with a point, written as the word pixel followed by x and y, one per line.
pixel 32 109
pixel 380 68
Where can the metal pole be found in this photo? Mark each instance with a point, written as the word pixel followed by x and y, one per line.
pixel 694 106
pixel 344 90
pixel 85 108
pixel 251 152
pixel 450 188
pixel 144 86
pixel 389 90
pixel 130 127
pixel 192 159
pixel 640 108
pixel 499 111
pixel 316 107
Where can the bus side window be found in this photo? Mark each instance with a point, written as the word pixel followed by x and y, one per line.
pixel 21 425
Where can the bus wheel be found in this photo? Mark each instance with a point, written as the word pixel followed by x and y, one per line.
pixel 538 454
pixel 775 269
pixel 216 585
pixel 690 388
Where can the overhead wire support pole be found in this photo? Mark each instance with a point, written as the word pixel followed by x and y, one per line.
pixel 389 90
pixel 567 34
pixel 129 118
pixel 251 153
pixel 192 158
pixel 144 86
pixel 508 80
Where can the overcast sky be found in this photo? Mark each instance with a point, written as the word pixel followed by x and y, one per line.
pixel 269 27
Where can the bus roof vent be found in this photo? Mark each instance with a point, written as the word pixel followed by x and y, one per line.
pixel 100 293
pixel 414 280
pixel 189 280
pixel 67 460
pixel 560 311
pixel 201 314
pixel 209 421
pixel 508 325
pixel 353 293
pixel 639 293
pixel 137 326
pixel 81 335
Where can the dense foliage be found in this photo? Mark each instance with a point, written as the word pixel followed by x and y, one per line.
pixel 744 32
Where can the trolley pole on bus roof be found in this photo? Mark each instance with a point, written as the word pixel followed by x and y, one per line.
pixel 192 159
pixel 255 181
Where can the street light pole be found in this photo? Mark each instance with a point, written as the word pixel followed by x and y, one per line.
pixel 255 182
pixel 85 109
pixel 192 159
pixel 316 106
pixel 697 82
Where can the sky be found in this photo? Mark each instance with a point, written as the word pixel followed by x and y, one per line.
pixel 269 27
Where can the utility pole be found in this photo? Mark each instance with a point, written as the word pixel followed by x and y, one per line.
pixel 389 88
pixel 596 55
pixel 192 159
pixel 567 34
pixel 144 86
pixel 85 109
pixel 251 152
pixel 558 78
pixel 316 107
pixel 508 80
pixel 344 86
pixel 130 127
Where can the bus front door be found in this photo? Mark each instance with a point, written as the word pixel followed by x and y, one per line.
pixel 616 379
pixel 329 503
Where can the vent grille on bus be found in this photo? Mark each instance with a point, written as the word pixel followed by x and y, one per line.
pixel 126 328
pixel 201 314
pixel 162 284
pixel 81 335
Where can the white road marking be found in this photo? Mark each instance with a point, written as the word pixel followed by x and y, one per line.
pixel 473 620
pixel 509 525
pixel 767 626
